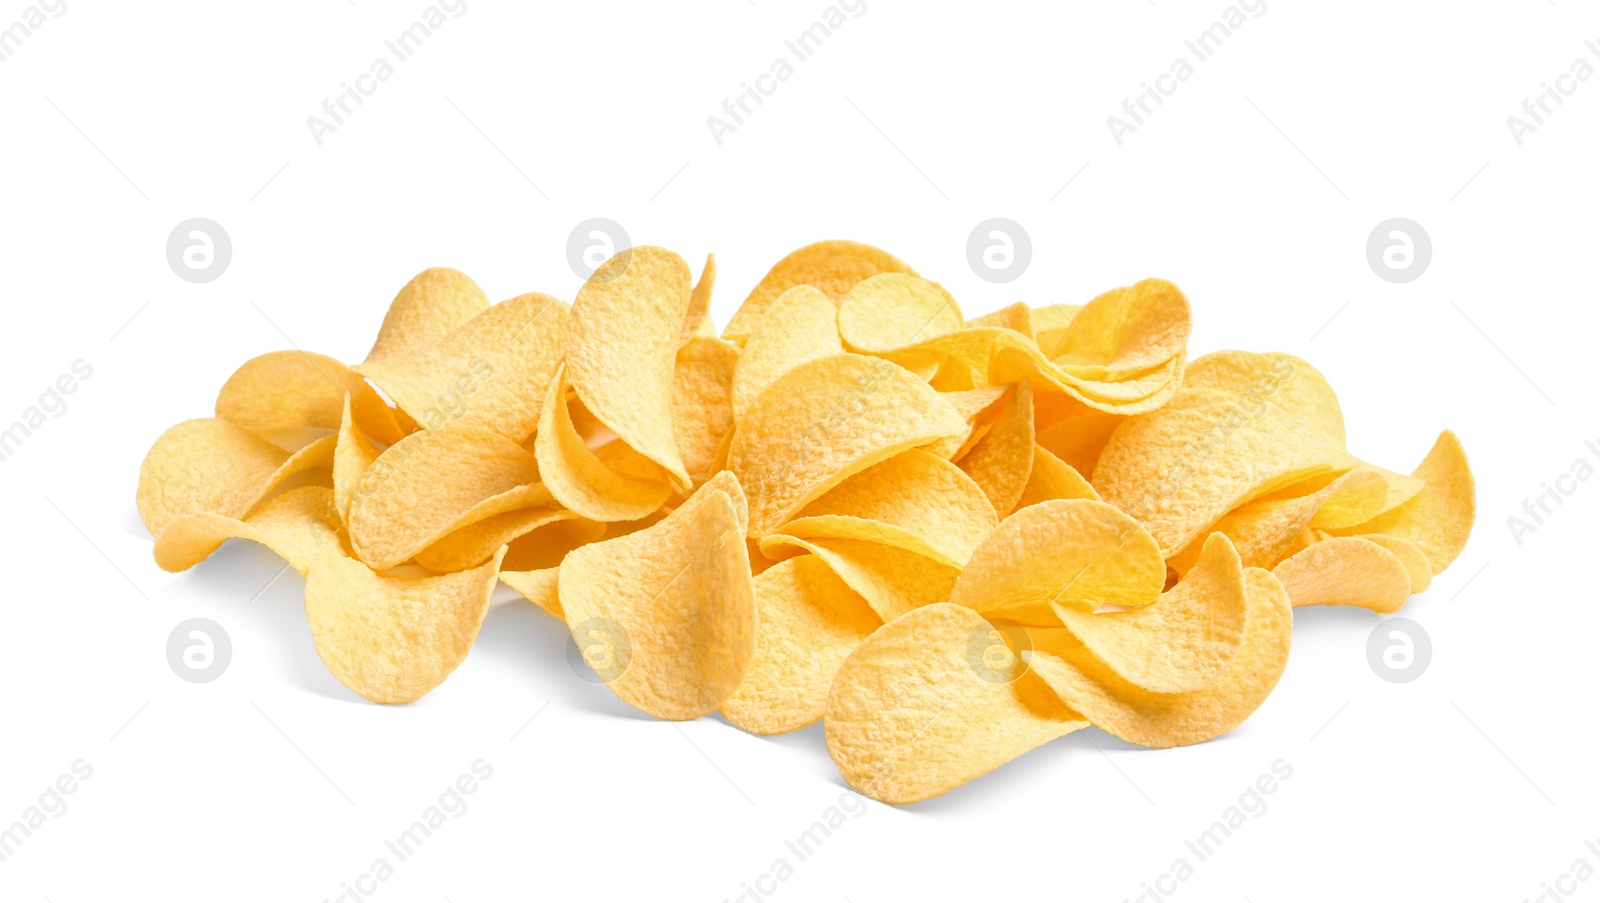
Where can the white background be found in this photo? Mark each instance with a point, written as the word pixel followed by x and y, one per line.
pixel 1254 188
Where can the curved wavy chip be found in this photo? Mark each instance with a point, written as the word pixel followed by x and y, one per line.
pixel 1181 468
pixel 1051 325
pixel 807 621
pixel 490 372
pixel 286 390
pixel 1439 518
pixel 666 615
pixel 353 454
pixel 1184 639
pixel 834 267
pixel 393 639
pixel 433 304
pixel 825 420
pixel 579 478
pixel 622 343
pixel 472 545
pixel 932 507
pixel 1002 460
pixel 1295 391
pixel 1346 570
pixel 1126 330
pixel 919 708
pixel 296 526
pixel 1264 530
pixel 894 310
pixel 432 483
pixel 703 385
pixel 1052 478
pixel 976 407
pixel 1016 317
pixel 1086 685
pixel 1066 554
pixel 1416 562
pixel 537 586
pixel 801 325
pixel 1077 439
pixel 697 321
pixel 218 467
pixel 891 579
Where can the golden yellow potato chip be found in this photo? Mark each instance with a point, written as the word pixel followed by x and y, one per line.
pixel 1077 439
pixel 825 420
pixel 537 586
pixel 1001 461
pixel 891 579
pixel 432 305
pixel 1439 518
pixel 703 385
pixel 933 700
pixel 490 372
pixel 392 639
pixel 215 466
pixel 697 321
pixel 1017 317
pixel 978 408
pixel 434 482
pixel 1065 554
pixel 285 390
pixel 1264 530
pixel 801 325
pixel 295 525
pixel 666 615
pixel 834 267
pixel 1051 324
pixel 579 478
pixel 353 453
pixel 927 503
pixel 807 621
pixel 1086 685
pixel 1359 501
pixel 471 545
pixel 1126 330
pixel 893 310
pixel 1184 639
pixel 1416 562
pixel 622 344
pixel 1052 478
pixel 1346 570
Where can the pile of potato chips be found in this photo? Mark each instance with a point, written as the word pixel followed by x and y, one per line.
pixel 951 540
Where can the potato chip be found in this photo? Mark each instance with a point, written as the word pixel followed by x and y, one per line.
pixel 472 545
pixel 622 344
pixel 1346 570
pixel 578 478
pixel 1087 686
pixel 801 325
pixel 537 586
pixel 893 310
pixel 1126 330
pixel 1069 554
pixel 932 507
pixel 891 579
pixel 825 420
pixel 1001 461
pixel 833 267
pixel 703 384
pixel 1078 439
pixel 917 710
pixel 1051 325
pixel 666 615
pixel 1017 317
pixel 353 454
pixel 434 482
pixel 976 406
pixel 697 321
pixel 215 466
pixel 490 372
pixel 1052 478
pixel 807 621
pixel 393 639
pixel 1439 518
pixel 296 526
pixel 1264 529
pixel 432 305
pixel 286 390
